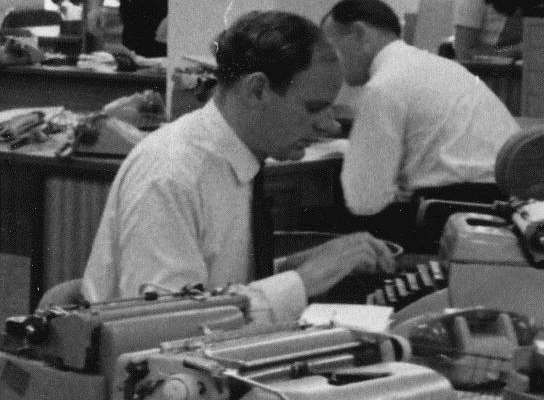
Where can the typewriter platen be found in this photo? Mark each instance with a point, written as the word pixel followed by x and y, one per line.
pixel 471 240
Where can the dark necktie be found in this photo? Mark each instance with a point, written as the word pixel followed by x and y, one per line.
pixel 262 227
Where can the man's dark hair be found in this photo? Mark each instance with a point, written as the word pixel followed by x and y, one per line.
pixel 278 44
pixel 373 12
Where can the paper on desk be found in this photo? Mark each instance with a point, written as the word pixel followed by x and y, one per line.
pixel 326 149
pixel 356 316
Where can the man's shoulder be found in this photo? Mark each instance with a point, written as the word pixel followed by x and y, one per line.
pixel 417 69
pixel 172 152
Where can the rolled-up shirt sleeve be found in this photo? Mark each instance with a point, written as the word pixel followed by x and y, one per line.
pixel 371 163
pixel 285 295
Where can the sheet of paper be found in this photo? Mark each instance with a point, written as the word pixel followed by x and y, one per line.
pixel 356 316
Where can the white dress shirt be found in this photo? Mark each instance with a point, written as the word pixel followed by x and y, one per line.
pixel 422 121
pixel 178 212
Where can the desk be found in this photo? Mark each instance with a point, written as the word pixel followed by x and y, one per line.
pixel 50 208
pixel 503 79
pixel 76 89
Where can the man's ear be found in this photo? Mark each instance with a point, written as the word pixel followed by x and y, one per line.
pixel 359 30
pixel 255 88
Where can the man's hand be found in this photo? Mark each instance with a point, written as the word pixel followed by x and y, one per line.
pixel 321 267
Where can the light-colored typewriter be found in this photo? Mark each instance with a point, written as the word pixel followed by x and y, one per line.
pixel 507 233
pixel 69 352
pixel 287 363
pixel 513 240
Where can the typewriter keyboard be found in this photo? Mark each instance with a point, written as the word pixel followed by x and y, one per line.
pixel 403 288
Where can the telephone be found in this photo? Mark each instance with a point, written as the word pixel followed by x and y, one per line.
pixel 472 347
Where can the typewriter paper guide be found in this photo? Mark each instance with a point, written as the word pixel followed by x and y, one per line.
pixel 354 316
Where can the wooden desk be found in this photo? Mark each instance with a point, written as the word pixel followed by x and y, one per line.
pixel 503 79
pixel 76 89
pixel 50 208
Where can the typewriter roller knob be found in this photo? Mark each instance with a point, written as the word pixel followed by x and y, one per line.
pixel 187 387
pixel 180 387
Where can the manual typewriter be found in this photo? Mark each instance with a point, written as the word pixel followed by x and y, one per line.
pixel 69 352
pixel 408 285
pixel 508 234
pixel 504 235
pixel 279 363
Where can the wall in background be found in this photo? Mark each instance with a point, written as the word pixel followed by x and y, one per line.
pixel 193 23
pixel 403 6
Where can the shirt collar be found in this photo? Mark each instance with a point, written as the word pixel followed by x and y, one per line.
pixel 385 54
pixel 229 146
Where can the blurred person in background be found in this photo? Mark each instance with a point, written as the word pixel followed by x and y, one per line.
pixel 143 25
pixel 488 27
pixel 424 125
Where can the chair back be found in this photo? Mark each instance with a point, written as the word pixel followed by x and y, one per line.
pixel 68 292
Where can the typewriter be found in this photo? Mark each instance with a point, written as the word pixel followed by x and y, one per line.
pixel 400 289
pixel 509 236
pixel 486 243
pixel 70 352
pixel 279 363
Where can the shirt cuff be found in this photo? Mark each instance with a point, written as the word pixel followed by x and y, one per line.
pixel 285 294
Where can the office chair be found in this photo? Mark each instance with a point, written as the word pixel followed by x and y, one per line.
pixel 68 292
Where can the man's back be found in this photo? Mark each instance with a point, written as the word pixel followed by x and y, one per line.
pixel 451 114
pixel 430 122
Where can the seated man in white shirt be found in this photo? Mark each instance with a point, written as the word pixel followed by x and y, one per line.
pixel 424 124
pixel 179 209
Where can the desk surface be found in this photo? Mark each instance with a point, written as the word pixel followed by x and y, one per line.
pixel 529 122
pixel 72 72
pixel 43 155
pixel 499 68
pixel 317 156
pixel 74 88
